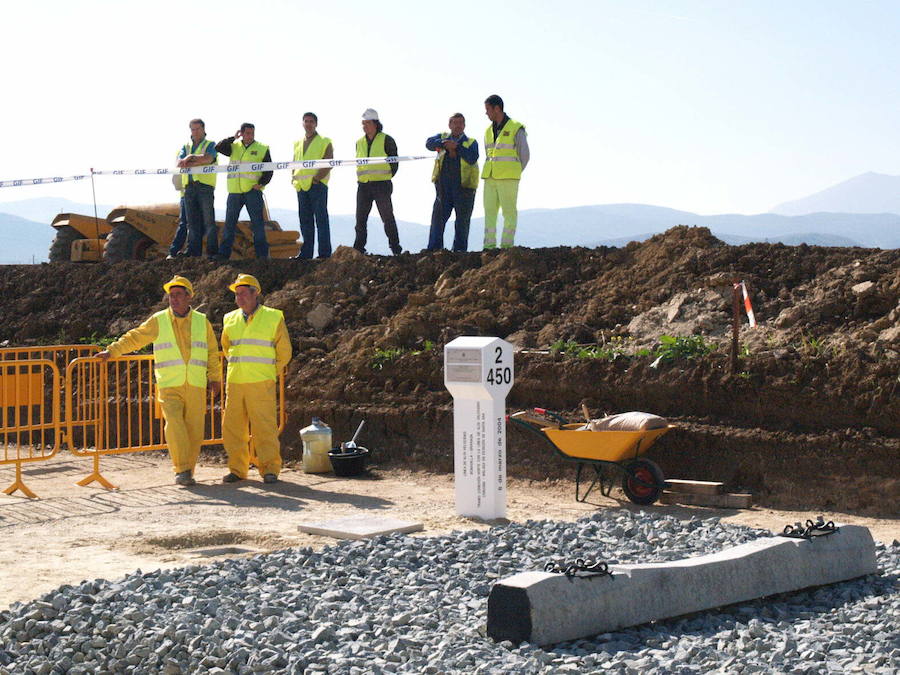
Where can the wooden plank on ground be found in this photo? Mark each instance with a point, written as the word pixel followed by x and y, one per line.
pixel 695 487
pixel 733 500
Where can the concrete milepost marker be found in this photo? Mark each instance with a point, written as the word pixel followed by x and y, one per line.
pixel 478 372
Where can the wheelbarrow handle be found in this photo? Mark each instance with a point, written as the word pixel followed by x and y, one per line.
pixel 532 428
pixel 543 411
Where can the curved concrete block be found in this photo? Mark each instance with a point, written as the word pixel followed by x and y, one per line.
pixel 546 608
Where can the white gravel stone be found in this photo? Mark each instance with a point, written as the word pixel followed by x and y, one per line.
pixel 403 604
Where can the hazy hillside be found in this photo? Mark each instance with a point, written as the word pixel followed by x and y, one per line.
pixel 866 193
pixel 44 209
pixel 24 241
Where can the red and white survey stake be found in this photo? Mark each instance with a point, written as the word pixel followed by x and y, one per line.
pixel 747 306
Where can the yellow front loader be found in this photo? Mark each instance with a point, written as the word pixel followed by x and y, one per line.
pixel 78 238
pixel 145 233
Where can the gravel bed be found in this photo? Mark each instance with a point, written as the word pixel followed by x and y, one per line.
pixel 419 605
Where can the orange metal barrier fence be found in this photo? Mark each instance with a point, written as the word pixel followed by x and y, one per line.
pixel 30 415
pixel 30 419
pixel 98 408
pixel 61 355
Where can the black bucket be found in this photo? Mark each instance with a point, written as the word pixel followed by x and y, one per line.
pixel 350 463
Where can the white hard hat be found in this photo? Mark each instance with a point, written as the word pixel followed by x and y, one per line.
pixel 370 114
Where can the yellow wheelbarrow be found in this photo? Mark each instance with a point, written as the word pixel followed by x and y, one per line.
pixel 607 452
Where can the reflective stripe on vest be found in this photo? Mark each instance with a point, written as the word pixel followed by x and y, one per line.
pixel 254 341
pixel 168 362
pixel 468 173
pixel 366 173
pixel 251 359
pixel 501 160
pixel 316 150
pixel 241 182
pixel 205 178
pixel 251 344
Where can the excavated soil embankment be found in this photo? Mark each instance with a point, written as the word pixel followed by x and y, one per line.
pixel 811 420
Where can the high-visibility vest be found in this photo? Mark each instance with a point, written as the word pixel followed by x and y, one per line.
pixel 205 178
pixel 468 173
pixel 251 344
pixel 168 362
pixel 244 181
pixel 315 150
pixel 501 160
pixel 366 173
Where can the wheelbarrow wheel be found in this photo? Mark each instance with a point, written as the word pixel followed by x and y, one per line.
pixel 643 481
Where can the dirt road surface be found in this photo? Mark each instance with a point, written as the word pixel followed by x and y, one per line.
pixel 75 533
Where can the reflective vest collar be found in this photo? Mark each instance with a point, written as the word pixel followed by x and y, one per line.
pixel 255 310
pixel 497 128
pixel 198 149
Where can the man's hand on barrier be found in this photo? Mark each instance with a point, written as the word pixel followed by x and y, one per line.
pixel 104 355
pixel 215 387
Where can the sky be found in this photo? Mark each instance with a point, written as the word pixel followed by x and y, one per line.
pixel 706 106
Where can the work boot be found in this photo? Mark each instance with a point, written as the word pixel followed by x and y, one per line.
pixel 184 478
pixel 231 478
pixel 397 250
pixel 270 478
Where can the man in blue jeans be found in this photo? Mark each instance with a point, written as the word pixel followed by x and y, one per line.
pixel 180 233
pixel 199 191
pixel 312 189
pixel 245 189
pixel 455 179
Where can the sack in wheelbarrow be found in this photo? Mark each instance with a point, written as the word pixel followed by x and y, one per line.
pixel 627 421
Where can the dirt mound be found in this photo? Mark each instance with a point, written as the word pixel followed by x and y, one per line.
pixel 811 418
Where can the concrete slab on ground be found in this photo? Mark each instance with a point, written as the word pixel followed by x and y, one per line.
pixel 547 608
pixel 362 526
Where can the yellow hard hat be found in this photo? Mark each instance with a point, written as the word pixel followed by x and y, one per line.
pixel 245 280
pixel 179 281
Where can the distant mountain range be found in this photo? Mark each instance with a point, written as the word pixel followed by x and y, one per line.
pixel 866 193
pixel 869 217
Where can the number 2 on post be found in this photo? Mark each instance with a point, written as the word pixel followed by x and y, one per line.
pixel 499 375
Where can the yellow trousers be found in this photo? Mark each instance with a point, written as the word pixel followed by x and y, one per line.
pixel 500 193
pixel 250 409
pixel 184 409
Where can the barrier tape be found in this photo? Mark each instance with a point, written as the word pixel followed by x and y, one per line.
pixel 747 306
pixel 220 168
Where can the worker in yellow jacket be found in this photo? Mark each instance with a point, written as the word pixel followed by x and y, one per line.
pixel 186 362
pixel 256 343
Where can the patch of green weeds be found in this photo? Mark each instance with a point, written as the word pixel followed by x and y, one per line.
pixel 675 348
pixel 382 357
pixel 609 351
pixel 102 341
pixel 813 347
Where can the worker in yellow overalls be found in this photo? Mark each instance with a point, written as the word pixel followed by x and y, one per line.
pixel 186 362
pixel 256 343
